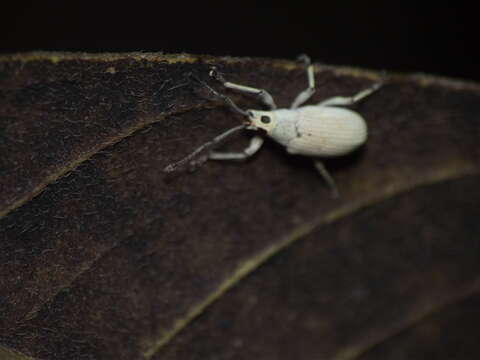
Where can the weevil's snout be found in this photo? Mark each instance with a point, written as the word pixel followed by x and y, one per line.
pixel 260 120
pixel 248 120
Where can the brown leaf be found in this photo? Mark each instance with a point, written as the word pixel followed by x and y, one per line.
pixel 103 255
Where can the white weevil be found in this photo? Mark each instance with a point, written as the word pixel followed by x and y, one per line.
pixel 321 130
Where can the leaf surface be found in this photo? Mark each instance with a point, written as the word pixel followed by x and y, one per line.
pixel 103 255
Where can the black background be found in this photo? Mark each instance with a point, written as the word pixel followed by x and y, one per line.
pixel 435 37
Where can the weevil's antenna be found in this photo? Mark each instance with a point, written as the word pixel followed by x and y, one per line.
pixel 221 96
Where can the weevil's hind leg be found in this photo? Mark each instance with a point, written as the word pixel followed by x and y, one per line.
pixel 308 92
pixel 320 166
pixel 264 96
pixel 255 144
pixel 195 159
pixel 350 100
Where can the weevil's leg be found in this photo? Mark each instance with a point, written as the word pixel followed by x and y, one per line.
pixel 319 165
pixel 193 159
pixel 308 92
pixel 350 100
pixel 264 96
pixel 222 96
pixel 255 144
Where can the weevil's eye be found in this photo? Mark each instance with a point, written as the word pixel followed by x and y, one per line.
pixel 265 119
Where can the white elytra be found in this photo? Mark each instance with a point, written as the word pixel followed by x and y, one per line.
pixel 317 131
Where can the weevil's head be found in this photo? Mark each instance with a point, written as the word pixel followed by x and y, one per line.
pixel 265 120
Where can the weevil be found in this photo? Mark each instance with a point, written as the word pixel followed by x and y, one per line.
pixel 318 131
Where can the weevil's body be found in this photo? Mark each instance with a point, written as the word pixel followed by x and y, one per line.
pixel 322 130
pixel 316 131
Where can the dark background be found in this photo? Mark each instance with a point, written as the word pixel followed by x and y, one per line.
pixel 397 36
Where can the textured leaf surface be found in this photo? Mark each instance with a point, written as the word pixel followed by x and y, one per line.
pixel 102 255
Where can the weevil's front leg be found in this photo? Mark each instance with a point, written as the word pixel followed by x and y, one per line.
pixel 266 98
pixel 350 100
pixel 194 159
pixel 308 92
pixel 255 144
pixel 222 96
pixel 320 166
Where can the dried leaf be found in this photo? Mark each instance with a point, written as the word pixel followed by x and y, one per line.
pixel 103 255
